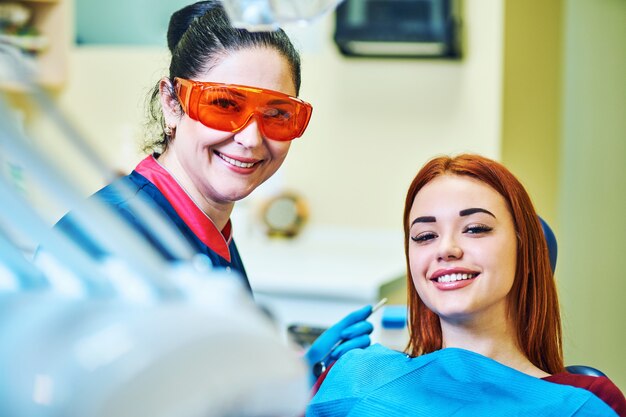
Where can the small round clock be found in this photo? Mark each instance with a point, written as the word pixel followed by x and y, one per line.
pixel 285 214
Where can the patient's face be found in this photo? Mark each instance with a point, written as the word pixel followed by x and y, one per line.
pixel 462 250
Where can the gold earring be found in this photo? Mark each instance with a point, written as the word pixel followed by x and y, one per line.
pixel 168 131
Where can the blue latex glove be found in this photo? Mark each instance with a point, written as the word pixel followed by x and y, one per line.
pixel 353 330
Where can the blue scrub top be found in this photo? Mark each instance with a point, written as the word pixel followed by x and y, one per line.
pixel 168 197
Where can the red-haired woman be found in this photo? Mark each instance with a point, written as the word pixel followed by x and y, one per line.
pixel 485 332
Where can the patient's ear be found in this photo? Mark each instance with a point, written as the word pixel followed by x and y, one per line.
pixel 172 110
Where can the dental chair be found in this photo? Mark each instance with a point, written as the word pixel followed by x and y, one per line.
pixel 553 251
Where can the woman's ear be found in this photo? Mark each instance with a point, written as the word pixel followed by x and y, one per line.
pixel 169 103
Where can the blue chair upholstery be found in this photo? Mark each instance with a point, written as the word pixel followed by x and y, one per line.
pixel 551 241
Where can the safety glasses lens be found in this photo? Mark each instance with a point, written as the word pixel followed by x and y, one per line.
pixel 230 108
pixel 222 109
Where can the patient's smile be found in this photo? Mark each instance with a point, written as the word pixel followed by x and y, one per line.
pixel 454 277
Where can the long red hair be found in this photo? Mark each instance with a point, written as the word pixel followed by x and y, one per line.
pixel 533 301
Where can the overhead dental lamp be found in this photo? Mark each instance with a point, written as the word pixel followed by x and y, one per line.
pixel 259 15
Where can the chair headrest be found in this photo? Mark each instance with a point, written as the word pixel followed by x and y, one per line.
pixel 551 241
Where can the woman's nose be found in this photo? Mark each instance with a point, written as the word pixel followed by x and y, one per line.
pixel 250 136
pixel 449 249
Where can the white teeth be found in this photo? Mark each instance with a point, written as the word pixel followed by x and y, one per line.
pixel 455 277
pixel 236 163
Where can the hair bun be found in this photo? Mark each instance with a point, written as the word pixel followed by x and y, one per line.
pixel 183 18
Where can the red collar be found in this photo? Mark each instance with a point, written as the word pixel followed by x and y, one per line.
pixel 199 223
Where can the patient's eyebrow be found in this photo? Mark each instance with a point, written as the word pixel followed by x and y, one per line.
pixel 473 210
pixel 424 219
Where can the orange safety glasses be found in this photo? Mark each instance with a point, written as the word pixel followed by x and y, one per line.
pixel 230 108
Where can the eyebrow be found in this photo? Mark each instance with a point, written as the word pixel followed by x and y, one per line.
pixel 473 210
pixel 466 212
pixel 278 101
pixel 424 219
pixel 225 92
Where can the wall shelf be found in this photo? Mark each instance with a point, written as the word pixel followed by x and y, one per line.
pixel 51 20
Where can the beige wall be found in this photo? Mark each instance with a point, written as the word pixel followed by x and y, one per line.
pixel 376 122
pixel 531 102
pixel 563 134
pixel 592 198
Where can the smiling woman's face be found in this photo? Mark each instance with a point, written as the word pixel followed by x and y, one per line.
pixel 462 249
pixel 221 166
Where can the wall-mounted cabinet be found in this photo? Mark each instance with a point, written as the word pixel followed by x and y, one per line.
pixel 39 32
